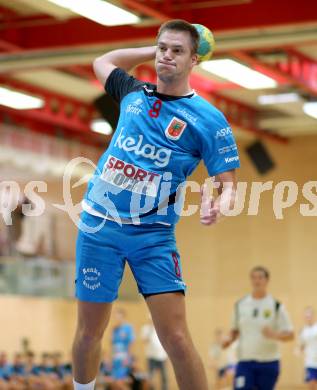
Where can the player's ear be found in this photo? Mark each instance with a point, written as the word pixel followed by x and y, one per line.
pixel 195 59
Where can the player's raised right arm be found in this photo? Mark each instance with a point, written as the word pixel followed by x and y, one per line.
pixel 125 59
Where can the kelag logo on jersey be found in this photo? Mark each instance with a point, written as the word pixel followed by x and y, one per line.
pixel 130 177
pixel 175 128
pixel 160 156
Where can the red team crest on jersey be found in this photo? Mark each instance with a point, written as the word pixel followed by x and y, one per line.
pixel 175 128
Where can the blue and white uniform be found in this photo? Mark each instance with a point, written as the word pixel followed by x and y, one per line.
pixel 122 337
pixel 258 356
pixel 159 141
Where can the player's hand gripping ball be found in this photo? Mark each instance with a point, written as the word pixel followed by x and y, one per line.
pixel 206 43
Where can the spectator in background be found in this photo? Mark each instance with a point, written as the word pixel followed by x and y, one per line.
pixel 223 362
pixel 30 367
pixel 57 366
pixel 46 365
pixel 308 343
pixel 18 366
pixel 5 368
pixel 122 340
pixel 155 353
pixel 105 370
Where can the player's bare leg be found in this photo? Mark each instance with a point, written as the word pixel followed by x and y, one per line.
pixel 91 324
pixel 169 318
pixel 312 385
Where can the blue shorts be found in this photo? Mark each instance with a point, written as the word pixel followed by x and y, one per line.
pixel 149 249
pixel 252 375
pixel 310 374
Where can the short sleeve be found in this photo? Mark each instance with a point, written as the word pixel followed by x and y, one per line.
pixel 283 321
pixel 120 83
pixel 218 148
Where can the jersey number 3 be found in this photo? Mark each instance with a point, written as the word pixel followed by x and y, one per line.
pixel 154 112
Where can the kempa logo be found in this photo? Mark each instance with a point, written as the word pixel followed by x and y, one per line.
pixel 230 159
pixel 160 156
pixel 223 133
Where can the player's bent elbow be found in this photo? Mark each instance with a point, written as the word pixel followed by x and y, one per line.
pixel 102 67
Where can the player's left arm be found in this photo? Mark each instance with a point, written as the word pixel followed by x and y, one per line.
pixel 284 331
pixel 211 210
pixel 283 335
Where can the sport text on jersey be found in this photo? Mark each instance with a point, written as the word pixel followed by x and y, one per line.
pixel 130 177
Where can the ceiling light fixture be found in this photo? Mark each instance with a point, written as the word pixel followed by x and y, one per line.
pixel 279 98
pixel 101 126
pixel 239 74
pixel 99 11
pixel 19 100
pixel 310 109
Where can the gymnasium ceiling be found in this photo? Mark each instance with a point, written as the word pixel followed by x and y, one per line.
pixel 47 51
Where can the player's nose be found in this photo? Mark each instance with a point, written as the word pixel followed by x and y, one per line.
pixel 167 54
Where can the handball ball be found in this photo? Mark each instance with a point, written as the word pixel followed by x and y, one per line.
pixel 206 43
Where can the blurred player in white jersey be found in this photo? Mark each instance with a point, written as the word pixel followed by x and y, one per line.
pixel 308 342
pixel 259 323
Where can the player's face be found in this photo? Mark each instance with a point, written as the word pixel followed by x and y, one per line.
pixel 259 281
pixel 309 316
pixel 174 58
pixel 118 317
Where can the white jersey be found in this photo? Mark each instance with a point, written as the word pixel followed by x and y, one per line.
pixel 308 338
pixel 154 349
pixel 250 317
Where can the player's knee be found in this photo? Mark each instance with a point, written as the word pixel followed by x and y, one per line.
pixel 88 336
pixel 177 343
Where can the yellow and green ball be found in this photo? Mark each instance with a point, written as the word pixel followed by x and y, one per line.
pixel 206 45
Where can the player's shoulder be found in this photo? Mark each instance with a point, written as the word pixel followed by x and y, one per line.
pixel 275 301
pixel 243 300
pixel 120 83
pixel 210 117
pixel 208 107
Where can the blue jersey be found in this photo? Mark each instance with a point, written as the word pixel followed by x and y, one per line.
pixel 159 141
pixel 122 337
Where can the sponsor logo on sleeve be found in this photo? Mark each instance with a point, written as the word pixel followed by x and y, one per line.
pixel 231 159
pixel 223 133
pixel 187 115
pixel 227 149
pixel 175 128
pixel 130 177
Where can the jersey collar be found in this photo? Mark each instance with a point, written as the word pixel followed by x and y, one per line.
pixel 151 91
